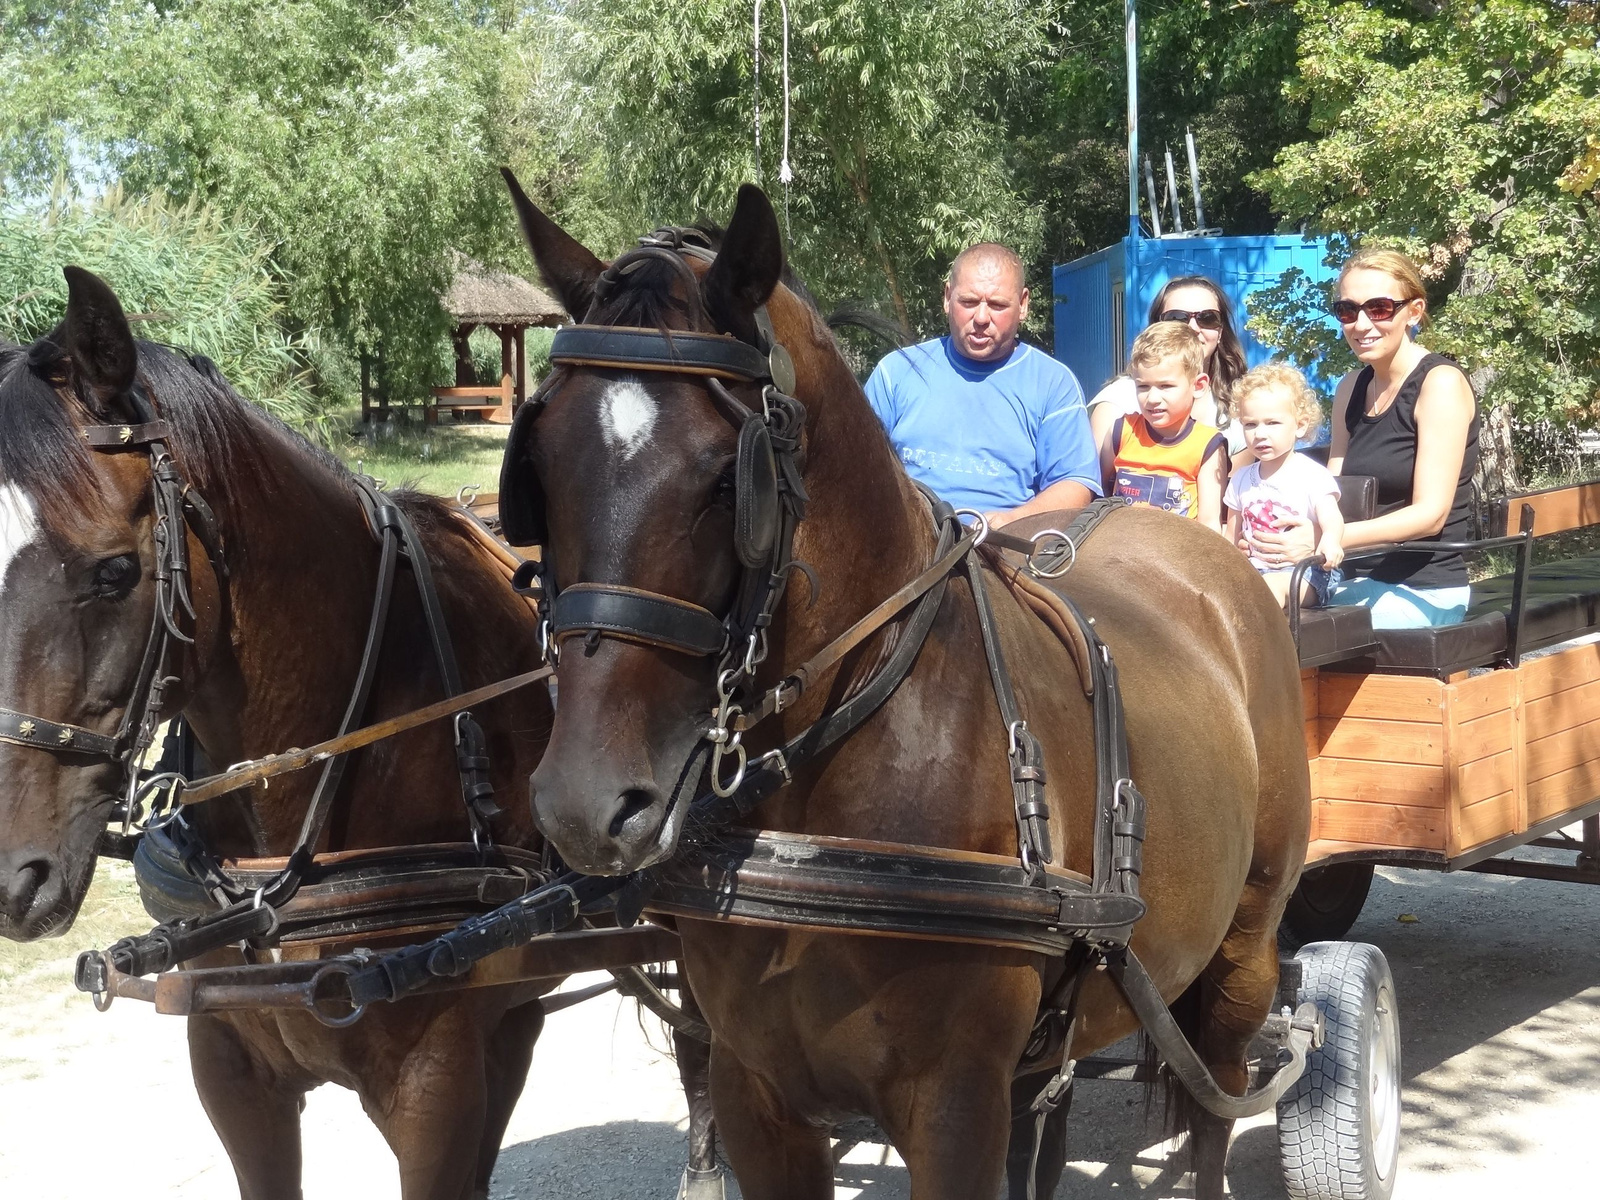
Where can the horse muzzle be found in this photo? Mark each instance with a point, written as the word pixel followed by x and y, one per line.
pixel 34 895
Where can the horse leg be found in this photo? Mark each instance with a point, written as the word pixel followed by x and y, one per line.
pixel 773 1155
pixel 703 1178
pixel 954 1143
pixel 1052 1146
pixel 434 1112
pixel 255 1112
pixel 1236 993
pixel 506 1071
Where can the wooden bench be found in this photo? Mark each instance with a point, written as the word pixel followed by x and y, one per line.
pixel 494 402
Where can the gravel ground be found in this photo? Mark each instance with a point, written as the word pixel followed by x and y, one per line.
pixel 1499 985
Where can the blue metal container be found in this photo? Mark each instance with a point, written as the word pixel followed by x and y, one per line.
pixel 1102 299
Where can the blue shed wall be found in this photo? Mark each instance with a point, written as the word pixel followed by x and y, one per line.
pixel 1240 265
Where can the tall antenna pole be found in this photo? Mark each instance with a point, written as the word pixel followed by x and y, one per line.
pixel 1194 181
pixel 1132 22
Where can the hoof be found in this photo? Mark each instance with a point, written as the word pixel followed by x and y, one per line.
pixel 702 1185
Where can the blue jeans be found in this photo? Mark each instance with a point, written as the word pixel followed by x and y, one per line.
pixel 1396 606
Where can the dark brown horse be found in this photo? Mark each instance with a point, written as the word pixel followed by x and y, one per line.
pixel 632 473
pixel 275 653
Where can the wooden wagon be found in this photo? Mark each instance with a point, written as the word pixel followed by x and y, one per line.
pixel 1449 748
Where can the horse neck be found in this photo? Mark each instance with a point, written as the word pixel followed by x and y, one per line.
pixel 303 571
pixel 867 530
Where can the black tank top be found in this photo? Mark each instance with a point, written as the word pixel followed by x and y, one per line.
pixel 1385 447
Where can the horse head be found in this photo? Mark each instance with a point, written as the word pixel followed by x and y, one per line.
pixel 81 589
pixel 648 480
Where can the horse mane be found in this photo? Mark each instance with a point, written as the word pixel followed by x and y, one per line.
pixel 219 440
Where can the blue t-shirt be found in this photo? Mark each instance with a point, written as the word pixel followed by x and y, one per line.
pixel 984 435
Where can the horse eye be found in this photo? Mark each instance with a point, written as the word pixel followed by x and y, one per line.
pixel 723 489
pixel 115 577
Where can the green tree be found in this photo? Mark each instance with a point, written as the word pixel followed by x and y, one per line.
pixel 1218 67
pixel 1465 133
pixel 360 137
pixel 186 277
pixel 898 140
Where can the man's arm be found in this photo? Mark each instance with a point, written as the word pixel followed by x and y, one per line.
pixel 1066 493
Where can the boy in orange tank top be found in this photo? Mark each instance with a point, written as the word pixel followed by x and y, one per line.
pixel 1163 457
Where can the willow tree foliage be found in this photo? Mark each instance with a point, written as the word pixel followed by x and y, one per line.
pixel 184 275
pixel 1467 134
pixel 899 144
pixel 359 137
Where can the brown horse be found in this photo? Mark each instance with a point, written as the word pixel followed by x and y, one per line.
pixel 277 639
pixel 631 473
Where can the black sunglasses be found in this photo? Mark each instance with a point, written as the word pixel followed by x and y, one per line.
pixel 1206 318
pixel 1379 308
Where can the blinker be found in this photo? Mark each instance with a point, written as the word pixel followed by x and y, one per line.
pixel 755 474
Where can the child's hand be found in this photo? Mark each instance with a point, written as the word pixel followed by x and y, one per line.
pixel 1332 552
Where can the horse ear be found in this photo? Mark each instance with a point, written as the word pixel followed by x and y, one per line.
pixel 96 335
pixel 748 265
pixel 522 516
pixel 564 262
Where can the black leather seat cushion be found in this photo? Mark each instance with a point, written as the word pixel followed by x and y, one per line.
pixel 1331 634
pixel 1562 601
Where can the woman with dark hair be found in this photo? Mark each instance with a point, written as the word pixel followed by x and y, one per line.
pixel 1199 303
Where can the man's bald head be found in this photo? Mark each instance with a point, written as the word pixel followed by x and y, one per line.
pixel 986 257
pixel 986 299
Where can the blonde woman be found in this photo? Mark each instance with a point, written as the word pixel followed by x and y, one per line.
pixel 1408 418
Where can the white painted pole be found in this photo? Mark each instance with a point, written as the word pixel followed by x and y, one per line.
pixel 1131 21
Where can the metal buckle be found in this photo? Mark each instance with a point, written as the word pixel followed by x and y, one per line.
pixel 1032 564
pixel 983 523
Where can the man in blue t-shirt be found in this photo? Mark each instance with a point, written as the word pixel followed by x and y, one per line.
pixel 982 419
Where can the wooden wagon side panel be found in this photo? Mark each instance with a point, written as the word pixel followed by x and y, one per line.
pixel 1483 726
pixel 1379 777
pixel 1561 726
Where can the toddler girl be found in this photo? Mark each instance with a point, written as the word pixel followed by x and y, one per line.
pixel 1275 409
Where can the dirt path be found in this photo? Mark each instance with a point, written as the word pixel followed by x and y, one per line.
pixel 1499 984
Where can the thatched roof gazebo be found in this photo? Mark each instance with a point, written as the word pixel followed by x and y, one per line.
pixel 509 305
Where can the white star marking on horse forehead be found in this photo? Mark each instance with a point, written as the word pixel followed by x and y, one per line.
pixel 627 415
pixel 19 525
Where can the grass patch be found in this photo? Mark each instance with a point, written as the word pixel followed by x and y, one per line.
pixel 403 452
pixel 110 911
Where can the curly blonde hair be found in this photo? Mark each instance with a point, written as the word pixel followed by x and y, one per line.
pixel 1277 376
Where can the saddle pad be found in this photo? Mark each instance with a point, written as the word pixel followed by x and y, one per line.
pixel 1039 598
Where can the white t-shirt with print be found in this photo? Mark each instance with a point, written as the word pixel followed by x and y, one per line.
pixel 1292 490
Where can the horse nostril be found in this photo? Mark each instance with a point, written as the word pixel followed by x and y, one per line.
pixel 630 804
pixel 22 889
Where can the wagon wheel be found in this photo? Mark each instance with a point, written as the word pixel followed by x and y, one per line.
pixel 1339 1126
pixel 1325 904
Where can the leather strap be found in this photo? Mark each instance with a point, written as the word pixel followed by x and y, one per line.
pixel 632 349
pixel 1051 553
pixel 296 760
pixel 638 616
pixel 22 730
pixel 115 437
pixel 765 877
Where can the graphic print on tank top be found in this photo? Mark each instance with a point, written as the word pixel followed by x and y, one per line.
pixel 1163 473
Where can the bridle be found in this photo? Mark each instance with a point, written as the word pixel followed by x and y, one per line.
pixel 769 496
pixel 177 509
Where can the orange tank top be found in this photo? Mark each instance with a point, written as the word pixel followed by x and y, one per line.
pixel 1162 472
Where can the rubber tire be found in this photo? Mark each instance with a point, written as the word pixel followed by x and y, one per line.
pixel 1324 904
pixel 1339 1126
